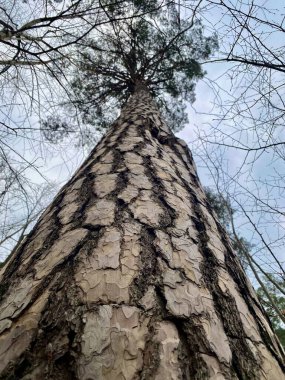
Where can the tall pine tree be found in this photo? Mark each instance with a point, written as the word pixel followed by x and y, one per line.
pixel 127 274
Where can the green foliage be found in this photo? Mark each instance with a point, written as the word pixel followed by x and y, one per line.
pixel 225 212
pixel 281 335
pixel 276 295
pixel 240 246
pixel 157 48
pixel 55 129
pixel 279 300
pixel 221 206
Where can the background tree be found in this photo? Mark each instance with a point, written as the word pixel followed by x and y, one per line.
pixel 271 292
pixel 243 144
pixel 35 36
pixel 278 295
pixel 225 214
pixel 20 213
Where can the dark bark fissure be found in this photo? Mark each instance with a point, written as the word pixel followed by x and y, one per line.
pixel 151 357
pixel 53 325
pixel 84 200
pixel 239 279
pixel 61 324
pixel 149 275
pixel 191 335
pixel 55 345
pixel 193 342
pixel 244 364
pixel 158 189
pixel 149 271
pixel 13 266
pixel 47 245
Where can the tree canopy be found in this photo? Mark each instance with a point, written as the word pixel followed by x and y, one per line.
pixel 158 49
pixel 271 289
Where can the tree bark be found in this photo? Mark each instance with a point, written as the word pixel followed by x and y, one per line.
pixel 128 274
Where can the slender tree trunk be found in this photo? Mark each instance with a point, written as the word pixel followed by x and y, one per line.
pixel 128 275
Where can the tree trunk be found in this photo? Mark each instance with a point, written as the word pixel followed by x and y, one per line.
pixel 128 275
